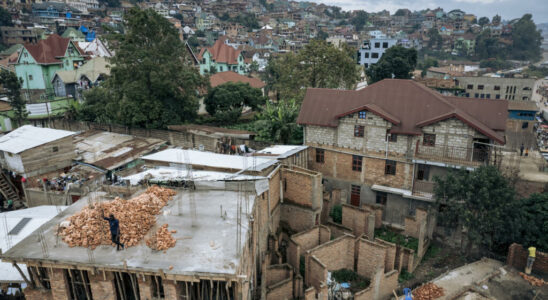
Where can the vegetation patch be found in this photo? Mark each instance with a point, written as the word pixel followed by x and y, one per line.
pixel 357 282
pixel 336 214
pixel 397 238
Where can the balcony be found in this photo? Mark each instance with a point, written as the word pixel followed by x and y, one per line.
pixel 453 155
pixel 423 188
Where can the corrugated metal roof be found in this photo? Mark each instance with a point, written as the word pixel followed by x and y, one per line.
pixel 27 137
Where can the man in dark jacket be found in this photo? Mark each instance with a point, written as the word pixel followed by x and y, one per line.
pixel 114 231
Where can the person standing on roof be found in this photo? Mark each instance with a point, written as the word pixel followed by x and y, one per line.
pixel 114 230
pixel 530 260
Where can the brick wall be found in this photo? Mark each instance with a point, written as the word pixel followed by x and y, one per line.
pixel 408 259
pixel 336 254
pixel 338 230
pixel 517 258
pixel 311 238
pixel 298 218
pixel 316 273
pixel 102 287
pixel 388 283
pixel 413 223
pixel 37 294
pixel 355 218
pixel 366 294
pixel 371 257
pixel 277 273
pixel 58 284
pixel 274 190
pixel 390 257
pixel 302 187
pixel 282 290
pixel 310 294
pixel 145 291
pixel 293 255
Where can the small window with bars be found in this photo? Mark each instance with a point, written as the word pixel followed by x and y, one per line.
pixel 362 114
pixel 358 131
pixel 357 163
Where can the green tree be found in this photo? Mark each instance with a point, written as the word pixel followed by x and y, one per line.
pixel 488 46
pixel 253 67
pixel 495 64
pixel 278 122
pixel 193 42
pixel 359 19
pixel 526 40
pixel 396 62
pixel 12 86
pixel 151 85
pixel 435 40
pixel 322 35
pixel 226 101
pixel 534 221
pixel 426 64
pixel 483 21
pixel 283 76
pixel 483 203
pixel 5 17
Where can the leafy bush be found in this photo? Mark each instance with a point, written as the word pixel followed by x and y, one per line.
pixel 336 214
pixel 396 238
pixel 404 275
pixel 356 281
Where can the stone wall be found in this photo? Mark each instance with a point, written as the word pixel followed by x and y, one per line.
pixel 517 258
pixel 320 135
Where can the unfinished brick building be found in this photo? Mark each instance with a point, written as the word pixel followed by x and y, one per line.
pixel 225 250
pixel 385 143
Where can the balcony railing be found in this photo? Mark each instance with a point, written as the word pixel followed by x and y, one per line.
pixel 423 188
pixel 453 155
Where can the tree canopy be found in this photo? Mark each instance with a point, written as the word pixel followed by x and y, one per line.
pixel 396 62
pixel 483 202
pixel 151 85
pixel 435 40
pixel 317 65
pixel 226 101
pixel 483 21
pixel 526 39
pixel 359 19
pixel 12 85
pixel 5 17
pixel 277 122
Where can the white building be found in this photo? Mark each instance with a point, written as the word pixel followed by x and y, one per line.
pixel 373 49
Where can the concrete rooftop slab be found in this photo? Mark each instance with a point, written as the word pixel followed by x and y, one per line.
pixel 207 247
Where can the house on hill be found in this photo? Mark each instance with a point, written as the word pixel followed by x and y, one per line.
pixel 37 63
pixel 221 57
pixel 384 144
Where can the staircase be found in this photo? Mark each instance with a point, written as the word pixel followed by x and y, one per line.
pixel 7 188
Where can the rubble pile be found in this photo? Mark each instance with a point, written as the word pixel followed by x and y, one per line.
pixel 162 239
pixel 428 291
pixel 533 280
pixel 136 216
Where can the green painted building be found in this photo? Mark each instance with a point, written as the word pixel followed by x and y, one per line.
pixel 221 57
pixel 37 63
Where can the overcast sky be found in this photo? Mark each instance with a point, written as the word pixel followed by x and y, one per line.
pixel 508 9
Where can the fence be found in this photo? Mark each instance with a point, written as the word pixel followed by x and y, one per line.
pixel 175 138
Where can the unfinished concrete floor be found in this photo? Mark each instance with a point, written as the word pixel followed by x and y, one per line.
pixel 205 245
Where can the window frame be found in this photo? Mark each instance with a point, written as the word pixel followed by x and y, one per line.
pixel 357 162
pixel 362 115
pixel 430 141
pixel 320 155
pixel 381 198
pixel 390 167
pixel 359 130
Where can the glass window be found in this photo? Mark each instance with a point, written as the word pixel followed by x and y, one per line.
pixel 377 45
pixel 524 125
pixel 362 114
pixel 429 139
pixel 480 87
pixel 497 87
pixel 356 163
pixel 374 55
pixel 390 167
pixel 470 87
pixel 391 137
pixel 385 45
pixel 366 55
pixel 423 172
pixel 358 131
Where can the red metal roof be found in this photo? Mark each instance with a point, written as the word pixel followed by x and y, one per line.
pixel 406 104
pixel 221 52
pixel 49 50
pixel 229 76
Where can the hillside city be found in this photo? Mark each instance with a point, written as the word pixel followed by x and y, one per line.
pixel 271 149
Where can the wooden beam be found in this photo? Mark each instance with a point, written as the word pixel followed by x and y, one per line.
pixel 23 275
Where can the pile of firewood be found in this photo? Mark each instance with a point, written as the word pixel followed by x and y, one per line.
pixel 428 291
pixel 162 239
pixel 136 216
pixel 533 280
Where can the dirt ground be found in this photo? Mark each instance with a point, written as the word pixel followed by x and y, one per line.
pixel 436 261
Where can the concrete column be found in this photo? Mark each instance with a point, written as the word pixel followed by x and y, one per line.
pixel 371 226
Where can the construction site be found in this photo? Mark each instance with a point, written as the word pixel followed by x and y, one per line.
pixel 197 225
